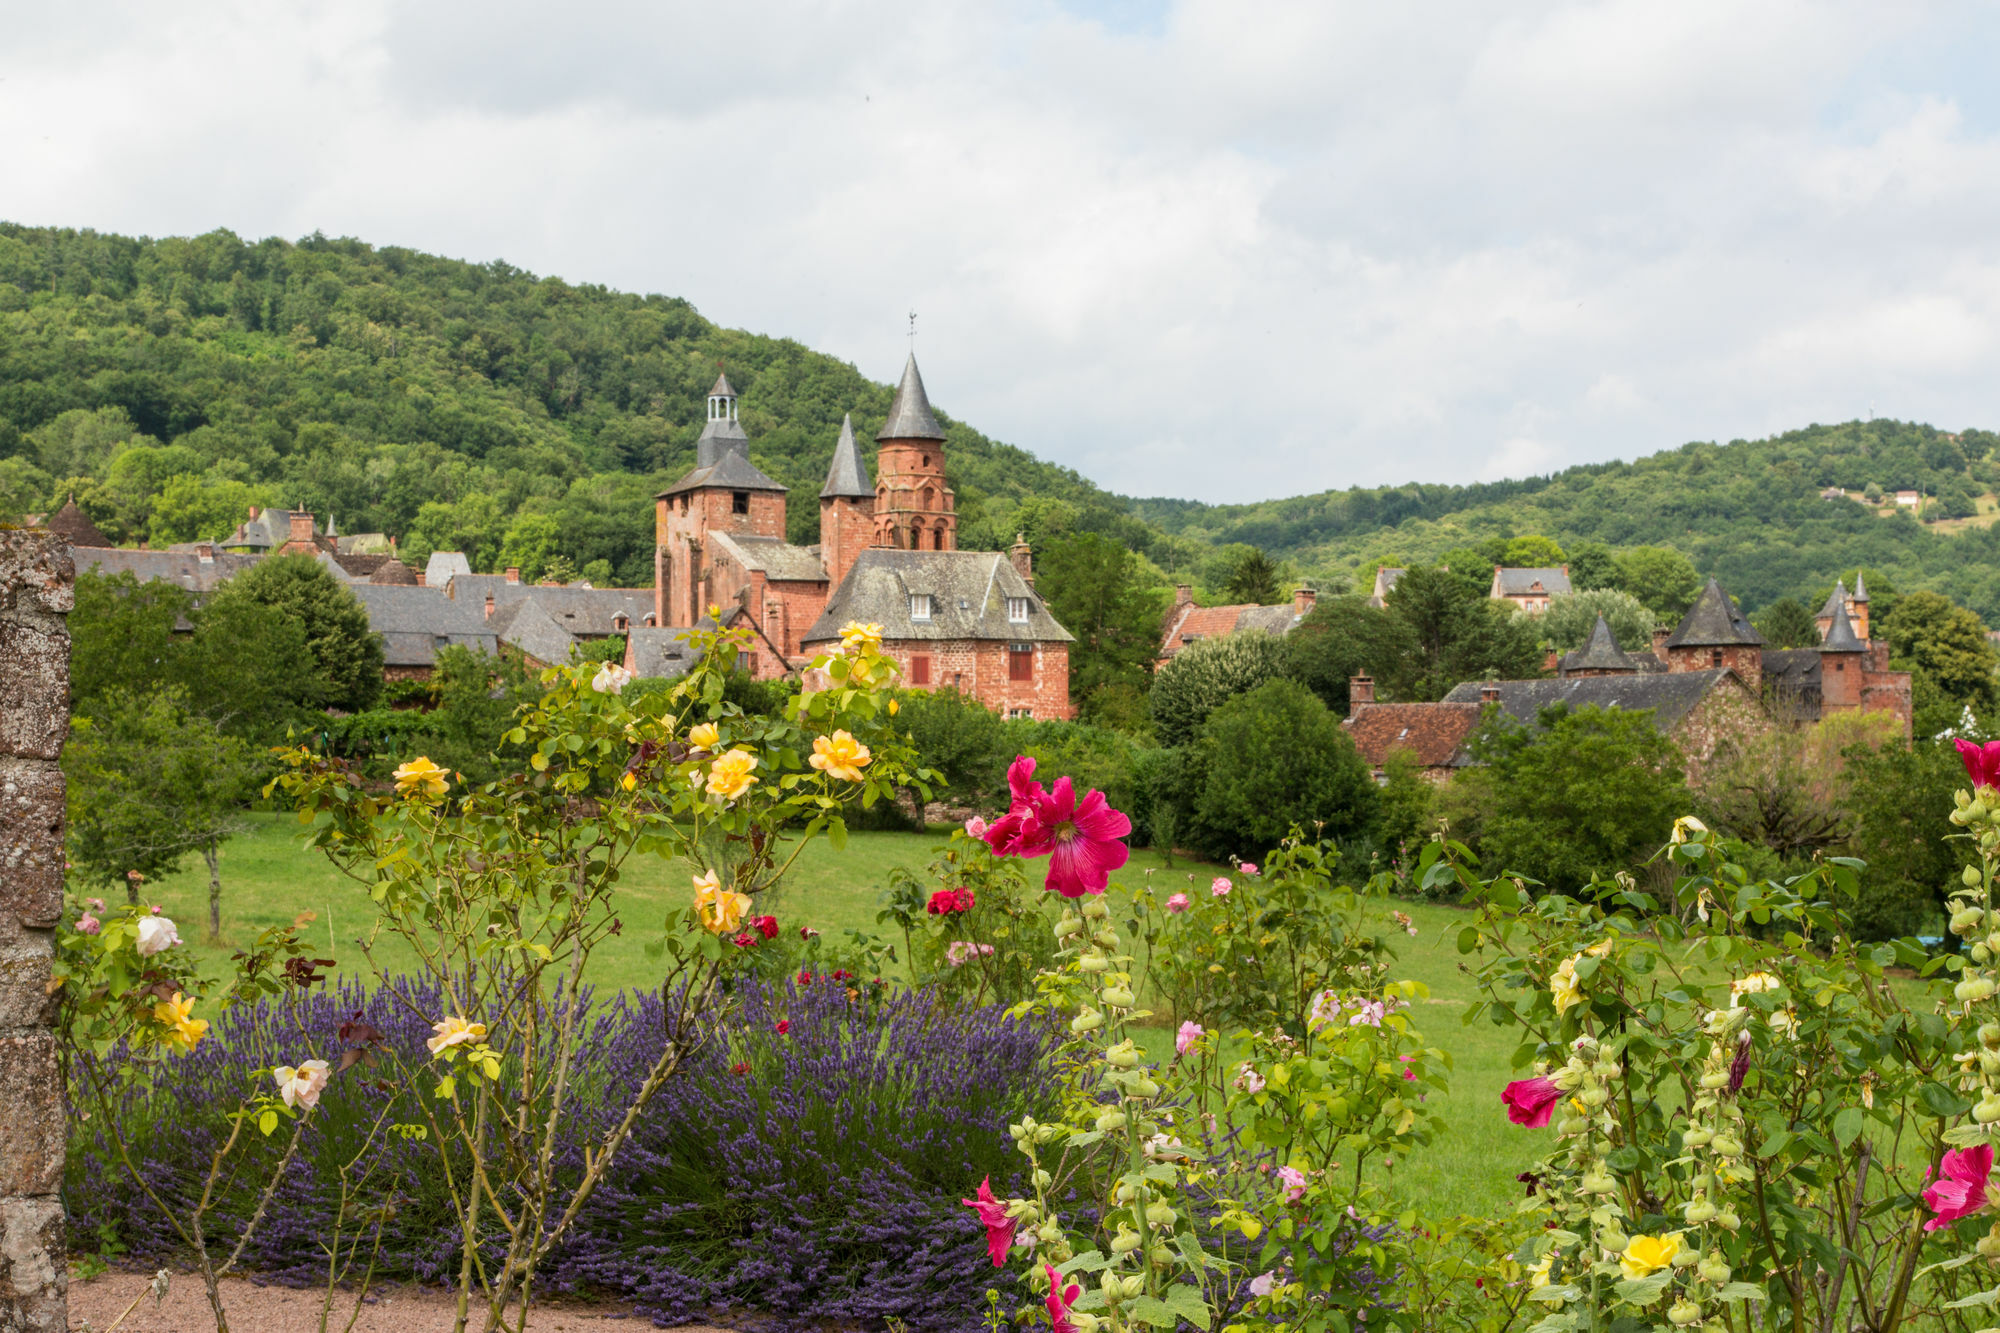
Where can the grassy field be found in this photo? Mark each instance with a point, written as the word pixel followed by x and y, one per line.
pixel 270 879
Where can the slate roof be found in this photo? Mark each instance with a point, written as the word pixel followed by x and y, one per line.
pixel 1385 583
pixel 75 526
pixel 183 568
pixel 730 470
pixel 524 625
pixel 910 415
pixel 847 474
pixel 1713 621
pixel 1600 654
pixel 722 389
pixel 1836 599
pixel 1520 582
pixel 444 566
pixel 1189 623
pixel 780 560
pixel 415 622
pixel 1671 695
pixel 1433 733
pixel 361 564
pixel 271 529
pixel 968 590
pixel 583 611
pixel 1860 588
pixel 393 574
pixel 656 652
pixel 1840 636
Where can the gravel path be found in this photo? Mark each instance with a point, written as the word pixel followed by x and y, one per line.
pixel 255 1309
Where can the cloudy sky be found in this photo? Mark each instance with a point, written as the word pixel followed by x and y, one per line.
pixel 1223 249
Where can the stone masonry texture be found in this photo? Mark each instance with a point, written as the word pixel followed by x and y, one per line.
pixel 37 590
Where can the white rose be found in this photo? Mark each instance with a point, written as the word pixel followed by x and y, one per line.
pixel 301 1086
pixel 156 933
pixel 611 679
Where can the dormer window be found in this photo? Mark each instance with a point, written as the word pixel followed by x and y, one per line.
pixel 1017 610
pixel 920 606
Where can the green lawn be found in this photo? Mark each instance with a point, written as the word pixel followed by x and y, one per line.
pixel 270 879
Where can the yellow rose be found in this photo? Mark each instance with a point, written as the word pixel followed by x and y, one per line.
pixel 454 1032
pixel 1687 826
pixel 183 1028
pixel 840 756
pixel 421 778
pixel 1755 983
pixel 1563 987
pixel 729 776
pixel 1649 1254
pixel 720 910
pixel 857 638
pixel 704 736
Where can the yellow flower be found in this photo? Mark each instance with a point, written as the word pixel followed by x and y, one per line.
pixel 1601 948
pixel 1687 826
pixel 729 776
pixel 857 638
pixel 454 1032
pixel 183 1028
pixel 894 708
pixel 1649 1254
pixel 1755 983
pixel 705 736
pixel 1538 1273
pixel 629 781
pixel 840 756
pixel 1563 987
pixel 420 777
pixel 720 910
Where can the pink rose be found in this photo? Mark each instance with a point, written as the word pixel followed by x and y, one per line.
pixel 1221 886
pixel 975 827
pixel 1190 1033
pixel 88 924
pixel 1295 1183
pixel 1177 904
pixel 1247 868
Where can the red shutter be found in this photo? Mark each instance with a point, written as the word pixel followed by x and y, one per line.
pixel 920 671
pixel 1021 663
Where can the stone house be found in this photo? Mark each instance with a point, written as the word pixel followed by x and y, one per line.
pixel 1433 735
pixel 1186 623
pixel 1529 588
pixel 415 622
pixel 1386 579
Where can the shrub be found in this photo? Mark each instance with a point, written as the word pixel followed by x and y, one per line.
pixel 1273 759
pixel 959 737
pixel 1567 624
pixel 1205 674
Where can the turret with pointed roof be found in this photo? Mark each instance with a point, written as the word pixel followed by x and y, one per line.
pixel 846 507
pixel 1599 657
pixel 723 493
pixel 1843 671
pixel 848 473
pixel 914 506
pixel 1715 634
pixel 75 527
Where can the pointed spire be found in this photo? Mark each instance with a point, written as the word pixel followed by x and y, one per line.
pixel 1835 600
pixel 910 416
pixel 1841 637
pixel 722 389
pixel 1713 622
pixel 1601 653
pixel 1860 588
pixel 848 474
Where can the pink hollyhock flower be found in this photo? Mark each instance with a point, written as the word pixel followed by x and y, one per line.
pixel 1982 762
pixel 1063 1296
pixel 1960 1189
pixel 993 1216
pixel 1177 904
pixel 88 924
pixel 1082 839
pixel 975 827
pixel 1531 1101
pixel 1295 1183
pixel 1220 886
pixel 1190 1033
pixel 1247 868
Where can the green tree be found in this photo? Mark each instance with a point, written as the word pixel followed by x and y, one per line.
pixel 1580 794
pixel 1206 673
pixel 1786 623
pixel 1567 624
pixel 347 655
pixel 1341 638
pixel 1591 566
pixel 1931 634
pixel 1456 633
pixel 192 509
pixel 1661 577
pixel 1533 552
pixel 122 637
pixel 1274 758
pixel 958 736
pixel 1255 580
pixel 1899 796
pixel 148 782
pixel 532 538
pixel 1094 587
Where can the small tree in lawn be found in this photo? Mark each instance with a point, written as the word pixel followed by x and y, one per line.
pixel 149 782
pixel 347 655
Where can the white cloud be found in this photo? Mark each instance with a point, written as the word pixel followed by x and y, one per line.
pixel 1254 249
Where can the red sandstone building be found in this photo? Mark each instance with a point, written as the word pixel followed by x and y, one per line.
pixel 888 555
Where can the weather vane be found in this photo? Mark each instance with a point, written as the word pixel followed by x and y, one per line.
pixel 913 330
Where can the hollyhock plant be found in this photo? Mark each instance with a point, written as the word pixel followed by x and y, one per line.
pixel 1082 839
pixel 993 1216
pixel 1531 1101
pixel 1982 762
pixel 1960 1189
pixel 1063 1296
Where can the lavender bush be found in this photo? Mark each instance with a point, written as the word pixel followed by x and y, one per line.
pixel 812 1174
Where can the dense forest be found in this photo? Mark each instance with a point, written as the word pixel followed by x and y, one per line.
pixel 169 384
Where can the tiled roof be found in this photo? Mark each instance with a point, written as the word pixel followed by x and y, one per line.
pixel 75 526
pixel 1385 583
pixel 183 568
pixel 1713 622
pixel 1189 623
pixel 1433 733
pixel 778 559
pixel 731 471
pixel 1671 695
pixel 910 415
pixel 271 529
pixel 444 566
pixel 660 652
pixel 1520 582
pixel 969 591
pixel 360 564
pixel 415 622
pixel 587 612
pixel 391 574
pixel 1840 636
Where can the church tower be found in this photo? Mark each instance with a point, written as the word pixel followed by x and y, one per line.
pixel 724 492
pixel 846 508
pixel 914 508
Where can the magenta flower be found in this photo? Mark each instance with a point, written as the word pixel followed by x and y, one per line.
pixel 1982 762
pixel 993 1216
pixel 1220 886
pixel 1295 1183
pixel 1080 838
pixel 88 924
pixel 1177 904
pixel 1063 1296
pixel 1190 1033
pixel 1960 1189
pixel 1531 1101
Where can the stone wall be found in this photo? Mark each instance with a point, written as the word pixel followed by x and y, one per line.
pixel 37 589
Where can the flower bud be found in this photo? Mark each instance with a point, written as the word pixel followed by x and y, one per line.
pixel 1144 1087
pixel 1597 1183
pixel 1728 1220
pixel 1572 1125
pixel 1082 1321
pixel 1989 1062
pixel 1606 1069
pixel 1161 1257
pixel 1612 1239
pixel 1728 1145
pixel 1068 926
pixel 1988 1245
pixel 1966 921
pixel 1095 909
pixel 1135 1286
pixel 1087 1021
pixel 1698 1212
pixel 1714 1269
pixel 1125 1055
pixel 1110 1120
pixel 1980 953
pixel 1119 996
pixel 1715 1080
pixel 1093 963
pixel 1970 877
pixel 1124 1242
pixel 1989 1036
pixel 1048 1233
pixel 1592 1097
pixel 1160 1215
pixel 1043 1179
pixel 1683 1258
pixel 1683 1312
pixel 1976 811
pixel 1988 1109
pixel 1105 939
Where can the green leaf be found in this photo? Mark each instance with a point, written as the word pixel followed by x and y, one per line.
pixel 1644 1290
pixel 1941 1102
pixel 1151 1312
pixel 1741 1291
pixel 1186 1302
pixel 1985 1298
pixel 1847 1125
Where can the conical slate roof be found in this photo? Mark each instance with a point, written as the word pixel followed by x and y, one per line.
pixel 395 574
pixel 1860 588
pixel 74 525
pixel 722 389
pixel 1837 599
pixel 1840 636
pixel 848 474
pixel 1713 622
pixel 910 415
pixel 1600 654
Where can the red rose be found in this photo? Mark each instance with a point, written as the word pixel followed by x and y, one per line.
pixel 843 975
pixel 767 926
pixel 739 1069
pixel 805 978
pixel 745 940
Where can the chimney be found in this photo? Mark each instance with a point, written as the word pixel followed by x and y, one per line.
pixel 1360 690
pixel 1489 692
pixel 1183 593
pixel 420 578
pixel 253 512
pixel 513 573
pixel 1023 559
pixel 489 606
pixel 302 526
pixel 1660 634
pixel 1551 660
pixel 205 551
pixel 1302 601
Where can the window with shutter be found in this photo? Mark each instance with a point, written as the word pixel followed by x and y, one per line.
pixel 1021 662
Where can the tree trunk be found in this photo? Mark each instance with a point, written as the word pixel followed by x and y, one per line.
pixel 209 854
